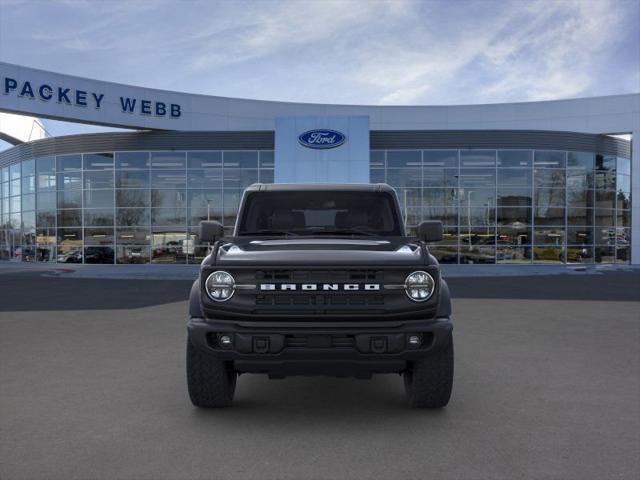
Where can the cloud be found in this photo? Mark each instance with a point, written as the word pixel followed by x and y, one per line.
pixel 338 51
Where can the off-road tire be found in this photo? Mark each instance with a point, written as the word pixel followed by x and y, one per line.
pixel 428 381
pixel 211 382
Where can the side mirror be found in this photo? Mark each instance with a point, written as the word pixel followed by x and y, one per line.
pixel 430 231
pixel 210 231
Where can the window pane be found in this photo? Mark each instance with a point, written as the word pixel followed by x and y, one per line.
pixel 98 254
pixel 579 198
pixel 549 236
pixel 376 159
pixel 28 184
pixel 548 216
pixel 514 158
pixel 204 159
pixel 168 216
pixel 46 218
pixel 138 160
pixel 605 254
pixel 98 236
pixel 623 183
pixel 605 199
pixel 507 254
pixel 168 179
pixel 514 197
pixel 132 217
pixel 549 178
pixel 132 254
pixel 440 159
pixel 548 254
pixel 579 216
pixel 605 217
pixel 440 177
pixel 240 159
pixel 239 177
pixel 69 162
pixel 70 180
pixel 514 234
pixel 168 160
pixel 133 236
pixel 70 218
pixel 447 215
pixel 514 176
pixel 583 254
pixel 28 168
pixel 205 178
pixel 444 254
pixel 29 202
pixel 98 199
pixel 404 158
pixel 70 199
pixel 583 160
pixel 605 235
pixel 514 216
pixel 579 178
pixel 404 177
pixel 267 159
pixel 580 235
pixel 132 198
pixel 477 177
pixel 44 165
pixel 169 198
pixel 623 166
pixel 98 161
pixel 549 159
pixel 266 176
pixel 605 163
pixel 98 179
pixel 477 158
pixel 46 201
pixel 46 181
pixel 98 217
pixel 132 178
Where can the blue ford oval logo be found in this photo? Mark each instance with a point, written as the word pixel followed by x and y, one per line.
pixel 322 138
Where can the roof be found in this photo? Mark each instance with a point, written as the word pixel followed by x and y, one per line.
pixel 320 187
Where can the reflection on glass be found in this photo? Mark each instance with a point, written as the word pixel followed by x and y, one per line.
pixel 137 160
pixel 514 158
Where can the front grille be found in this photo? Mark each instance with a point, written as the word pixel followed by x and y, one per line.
pixel 319 341
pixel 319 276
pixel 320 300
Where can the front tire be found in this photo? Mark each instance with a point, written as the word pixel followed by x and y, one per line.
pixel 428 381
pixel 211 382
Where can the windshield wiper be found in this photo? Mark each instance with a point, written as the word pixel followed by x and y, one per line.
pixel 269 231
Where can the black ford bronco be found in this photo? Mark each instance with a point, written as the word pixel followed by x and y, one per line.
pixel 319 279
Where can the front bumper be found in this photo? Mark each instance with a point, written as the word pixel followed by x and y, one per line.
pixel 283 349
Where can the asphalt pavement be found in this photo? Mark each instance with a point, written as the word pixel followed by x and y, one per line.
pixel 547 386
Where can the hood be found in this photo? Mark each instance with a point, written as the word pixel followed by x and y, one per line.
pixel 393 251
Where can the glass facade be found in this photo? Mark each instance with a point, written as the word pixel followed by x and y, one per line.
pixel 122 207
pixel 515 206
pixel 497 206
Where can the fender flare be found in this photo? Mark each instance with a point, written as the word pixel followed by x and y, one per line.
pixel 444 300
pixel 195 309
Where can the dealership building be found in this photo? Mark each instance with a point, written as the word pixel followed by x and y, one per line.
pixel 515 183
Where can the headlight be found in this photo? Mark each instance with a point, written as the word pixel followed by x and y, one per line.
pixel 220 286
pixel 419 286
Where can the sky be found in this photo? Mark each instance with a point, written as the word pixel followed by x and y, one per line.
pixel 396 52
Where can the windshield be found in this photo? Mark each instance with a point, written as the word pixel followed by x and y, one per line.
pixel 319 213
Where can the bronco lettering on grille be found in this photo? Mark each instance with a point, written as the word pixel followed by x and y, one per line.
pixel 319 286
